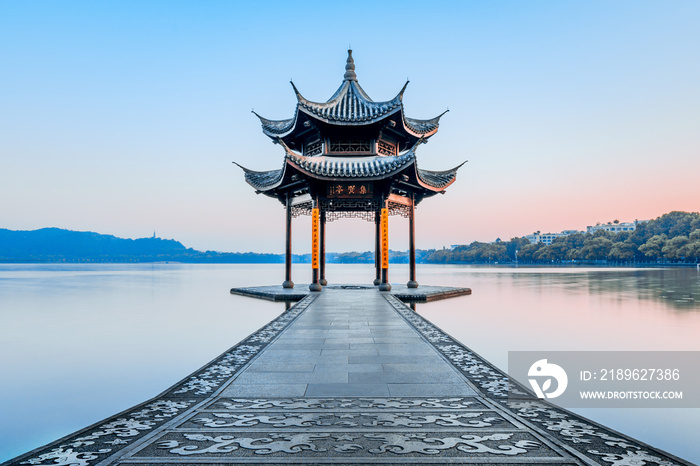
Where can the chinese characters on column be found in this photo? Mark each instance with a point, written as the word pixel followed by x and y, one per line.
pixel 385 237
pixel 314 237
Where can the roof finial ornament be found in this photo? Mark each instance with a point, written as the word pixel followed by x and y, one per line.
pixel 350 68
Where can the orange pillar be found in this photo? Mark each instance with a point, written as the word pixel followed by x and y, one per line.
pixel 315 285
pixel 377 249
pixel 384 227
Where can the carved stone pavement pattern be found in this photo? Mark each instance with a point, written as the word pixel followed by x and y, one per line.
pixel 347 377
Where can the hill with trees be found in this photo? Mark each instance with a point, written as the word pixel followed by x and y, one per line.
pixel 671 238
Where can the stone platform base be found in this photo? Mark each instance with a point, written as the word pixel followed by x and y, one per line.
pixel 422 294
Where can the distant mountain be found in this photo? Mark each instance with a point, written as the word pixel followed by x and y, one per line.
pixel 58 245
pixel 55 242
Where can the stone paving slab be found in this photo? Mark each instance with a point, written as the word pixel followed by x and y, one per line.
pixel 405 393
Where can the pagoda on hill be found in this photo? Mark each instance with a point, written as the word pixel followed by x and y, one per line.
pixel 350 157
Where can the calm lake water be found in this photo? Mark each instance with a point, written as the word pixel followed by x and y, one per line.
pixel 79 343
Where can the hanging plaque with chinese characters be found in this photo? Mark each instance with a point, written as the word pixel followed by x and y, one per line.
pixel 350 190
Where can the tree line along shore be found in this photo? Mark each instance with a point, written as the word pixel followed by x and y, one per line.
pixel 673 238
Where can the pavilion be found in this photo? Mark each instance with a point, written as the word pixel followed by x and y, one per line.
pixel 350 157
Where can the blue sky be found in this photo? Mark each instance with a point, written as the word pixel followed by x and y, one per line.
pixel 124 117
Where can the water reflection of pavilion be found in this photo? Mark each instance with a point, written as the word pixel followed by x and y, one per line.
pixel 350 157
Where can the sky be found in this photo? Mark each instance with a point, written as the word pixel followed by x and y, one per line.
pixel 124 117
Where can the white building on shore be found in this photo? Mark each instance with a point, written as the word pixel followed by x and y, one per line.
pixel 547 238
pixel 615 227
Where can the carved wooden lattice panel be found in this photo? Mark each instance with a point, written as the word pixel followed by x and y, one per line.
pixel 349 146
pixel 385 148
pixel 301 209
pixel 399 209
pixel 369 216
pixel 313 148
pixel 351 208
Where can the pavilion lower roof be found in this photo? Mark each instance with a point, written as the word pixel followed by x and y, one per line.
pixel 338 168
pixel 352 167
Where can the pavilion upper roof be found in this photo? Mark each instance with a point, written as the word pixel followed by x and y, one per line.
pixel 349 106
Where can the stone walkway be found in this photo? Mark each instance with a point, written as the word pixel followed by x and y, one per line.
pixel 348 344
pixel 346 376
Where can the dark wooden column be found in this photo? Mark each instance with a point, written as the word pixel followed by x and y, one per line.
pixel 384 228
pixel 377 249
pixel 315 231
pixel 288 283
pixel 412 283
pixel 322 259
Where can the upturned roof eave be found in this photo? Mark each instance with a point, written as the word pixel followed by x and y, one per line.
pixel 251 177
pixel 422 177
pixel 434 122
pixel 418 135
pixel 274 135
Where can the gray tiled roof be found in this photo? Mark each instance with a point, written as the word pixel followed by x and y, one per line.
pixel 352 167
pixel 350 104
pixel 369 167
